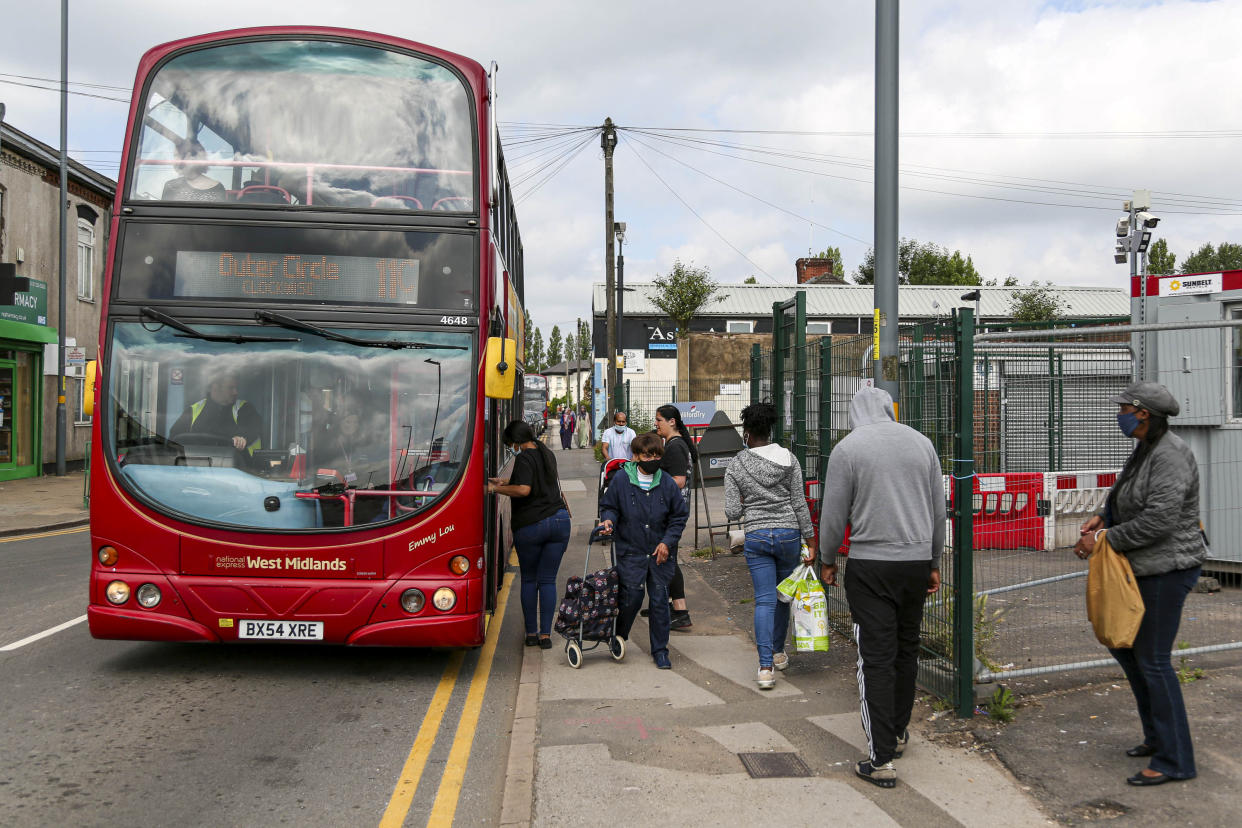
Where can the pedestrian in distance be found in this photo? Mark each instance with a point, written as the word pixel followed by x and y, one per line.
pixel 568 421
pixel 678 463
pixel 616 440
pixel 1151 516
pixel 763 488
pixel 646 511
pixel 540 525
pixel 883 480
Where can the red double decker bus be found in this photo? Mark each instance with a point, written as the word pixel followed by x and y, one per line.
pixel 308 347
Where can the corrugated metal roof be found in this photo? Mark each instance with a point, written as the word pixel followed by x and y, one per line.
pixel 749 301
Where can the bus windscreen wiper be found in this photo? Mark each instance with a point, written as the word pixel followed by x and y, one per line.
pixel 306 327
pixel 186 330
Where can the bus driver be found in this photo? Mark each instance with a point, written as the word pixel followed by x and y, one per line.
pixel 222 414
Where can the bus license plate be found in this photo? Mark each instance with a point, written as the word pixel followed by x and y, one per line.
pixel 282 630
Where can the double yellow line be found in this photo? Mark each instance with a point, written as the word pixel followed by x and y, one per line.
pixel 50 533
pixel 445 806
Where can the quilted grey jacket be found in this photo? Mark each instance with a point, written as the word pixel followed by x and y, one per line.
pixel 1155 511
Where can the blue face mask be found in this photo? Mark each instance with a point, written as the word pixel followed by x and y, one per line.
pixel 1128 422
pixel 512 450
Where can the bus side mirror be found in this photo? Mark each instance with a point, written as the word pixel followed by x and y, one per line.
pixel 88 389
pixel 499 368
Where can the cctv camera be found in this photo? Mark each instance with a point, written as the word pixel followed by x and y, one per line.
pixel 1147 219
pixel 1123 227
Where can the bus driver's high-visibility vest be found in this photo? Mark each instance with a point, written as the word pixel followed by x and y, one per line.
pixel 197 408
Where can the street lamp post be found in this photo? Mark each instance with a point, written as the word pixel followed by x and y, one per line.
pixel 1133 236
pixel 619 229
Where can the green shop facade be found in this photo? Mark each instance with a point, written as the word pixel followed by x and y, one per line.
pixel 23 333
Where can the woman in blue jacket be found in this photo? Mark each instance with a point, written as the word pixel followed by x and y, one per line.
pixel 648 513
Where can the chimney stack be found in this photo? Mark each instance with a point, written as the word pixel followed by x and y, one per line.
pixel 817 272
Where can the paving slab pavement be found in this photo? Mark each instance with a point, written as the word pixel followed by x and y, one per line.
pixel 645 745
pixel 36 504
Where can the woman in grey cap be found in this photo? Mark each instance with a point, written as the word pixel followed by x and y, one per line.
pixel 1152 517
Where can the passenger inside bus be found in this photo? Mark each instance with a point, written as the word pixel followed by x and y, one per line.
pixel 220 420
pixel 192 183
pixel 352 456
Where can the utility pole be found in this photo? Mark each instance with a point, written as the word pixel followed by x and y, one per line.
pixel 608 140
pixel 62 424
pixel 884 338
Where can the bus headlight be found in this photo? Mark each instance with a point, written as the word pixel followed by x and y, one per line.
pixel 117 592
pixel 412 600
pixel 148 595
pixel 444 599
pixel 107 555
pixel 460 565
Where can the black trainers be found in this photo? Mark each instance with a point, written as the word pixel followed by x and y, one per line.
pixel 902 741
pixel 884 775
pixel 681 620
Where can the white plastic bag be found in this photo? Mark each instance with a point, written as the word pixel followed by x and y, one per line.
pixel 786 589
pixel 810 617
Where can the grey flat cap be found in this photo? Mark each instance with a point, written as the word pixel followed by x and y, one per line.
pixel 1150 395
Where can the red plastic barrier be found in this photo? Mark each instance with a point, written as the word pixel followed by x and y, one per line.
pixel 1007 511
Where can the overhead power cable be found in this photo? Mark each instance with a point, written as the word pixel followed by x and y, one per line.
pixel 686 204
pixel 751 195
pixel 70 91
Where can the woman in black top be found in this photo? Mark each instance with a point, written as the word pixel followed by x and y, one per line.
pixel 679 456
pixel 540 525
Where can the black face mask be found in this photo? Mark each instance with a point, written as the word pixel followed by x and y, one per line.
pixel 649 466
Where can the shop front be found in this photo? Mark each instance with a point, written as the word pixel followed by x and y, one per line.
pixel 23 333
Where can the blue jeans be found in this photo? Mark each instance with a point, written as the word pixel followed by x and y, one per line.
pixel 771 555
pixel 540 547
pixel 1148 666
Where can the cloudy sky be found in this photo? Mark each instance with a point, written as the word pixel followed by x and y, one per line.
pixel 1024 124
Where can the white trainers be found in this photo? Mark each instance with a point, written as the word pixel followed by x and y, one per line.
pixel 766 678
pixel 780 661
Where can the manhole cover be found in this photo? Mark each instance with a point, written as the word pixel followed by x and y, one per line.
pixel 772 765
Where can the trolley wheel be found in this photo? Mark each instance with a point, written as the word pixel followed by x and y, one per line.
pixel 573 652
pixel 616 646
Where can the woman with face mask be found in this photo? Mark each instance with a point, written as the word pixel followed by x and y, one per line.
pixel 540 525
pixel 1152 517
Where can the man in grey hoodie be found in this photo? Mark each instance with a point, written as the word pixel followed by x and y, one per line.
pixel 884 482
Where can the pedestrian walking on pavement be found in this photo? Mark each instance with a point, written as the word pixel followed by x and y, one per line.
pixel 883 480
pixel 678 462
pixel 540 525
pixel 568 421
pixel 645 508
pixel 763 488
pixel 581 427
pixel 1151 516
pixel 617 439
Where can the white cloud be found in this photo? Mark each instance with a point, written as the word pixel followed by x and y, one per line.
pixel 967 66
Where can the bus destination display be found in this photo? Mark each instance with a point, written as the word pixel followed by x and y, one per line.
pixel 243 275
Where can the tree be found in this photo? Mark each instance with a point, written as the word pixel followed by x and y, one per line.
pixel 1010 281
pixel 1159 260
pixel 1038 303
pixel 571 347
pixel 750 280
pixel 554 345
pixel 838 264
pixel 584 341
pixel 923 264
pixel 1206 259
pixel 683 292
pixel 534 356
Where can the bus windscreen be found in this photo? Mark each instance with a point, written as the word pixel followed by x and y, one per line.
pixel 306 123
